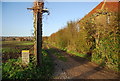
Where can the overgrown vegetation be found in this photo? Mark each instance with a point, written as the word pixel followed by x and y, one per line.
pixel 96 36
pixel 14 69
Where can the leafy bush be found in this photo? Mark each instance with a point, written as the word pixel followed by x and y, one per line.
pixel 108 53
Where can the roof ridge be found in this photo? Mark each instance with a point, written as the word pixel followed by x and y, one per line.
pixel 103 4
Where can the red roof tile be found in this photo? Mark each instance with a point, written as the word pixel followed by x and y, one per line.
pixel 111 6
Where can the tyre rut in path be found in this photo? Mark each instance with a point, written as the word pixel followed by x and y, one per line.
pixel 78 68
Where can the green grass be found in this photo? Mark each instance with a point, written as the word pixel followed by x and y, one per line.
pixel 60 57
pixel 26 43
pixel 57 54
pixel 18 42
pixel 13 69
pixel 75 53
pixel 12 49
pixel 11 42
pixel 9 50
pixel 63 58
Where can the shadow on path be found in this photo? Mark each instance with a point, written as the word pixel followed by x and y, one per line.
pixel 76 67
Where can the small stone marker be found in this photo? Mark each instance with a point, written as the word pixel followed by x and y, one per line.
pixel 25 56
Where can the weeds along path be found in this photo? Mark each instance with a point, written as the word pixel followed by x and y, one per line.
pixel 73 67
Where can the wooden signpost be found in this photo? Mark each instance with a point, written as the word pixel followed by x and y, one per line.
pixel 25 57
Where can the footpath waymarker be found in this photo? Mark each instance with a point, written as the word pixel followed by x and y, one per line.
pixel 25 57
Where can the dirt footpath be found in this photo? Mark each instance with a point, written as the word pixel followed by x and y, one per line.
pixel 78 68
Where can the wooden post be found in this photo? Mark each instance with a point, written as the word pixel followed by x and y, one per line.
pixel 38 11
pixel 39 39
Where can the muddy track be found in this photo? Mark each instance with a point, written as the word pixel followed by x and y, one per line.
pixel 77 68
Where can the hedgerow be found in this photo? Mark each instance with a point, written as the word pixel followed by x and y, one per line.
pixel 96 36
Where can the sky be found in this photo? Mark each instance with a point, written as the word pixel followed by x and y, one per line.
pixel 18 21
